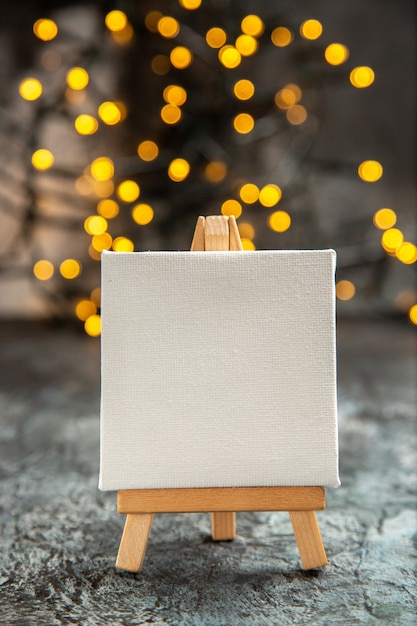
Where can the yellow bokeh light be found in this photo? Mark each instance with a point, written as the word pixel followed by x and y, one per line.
pixel 279 221
pixel 142 214
pixel 288 96
pixel 171 114
pixel 252 25
pixel 178 170
pixel 412 314
pixel 246 44
pixel 391 240
pixel 109 113
pixel 86 124
pixel 181 57
pixel 216 37
pixel 124 36
pixel 84 185
pixel 43 270
pixel 108 208
pixel 77 78
pixel 168 27
pixel 92 325
pixel 42 159
pixel 406 253
pixel 116 20
pixel 270 195
pixel 281 36
pixel 30 89
pixel 231 207
pixel 244 89
pixel 93 253
pixel 84 309
pixel 249 193
pixel 246 230
pixel 336 54
pixel 175 94
pixel 70 268
pixel 247 244
pixel 243 123
pixel 230 57
pixel 95 225
pixel 361 77
pixel 311 29
pixel 370 171
pixel 215 171
pixel 148 150
pixel 151 20
pixel 384 218
pixel 102 242
pixel 345 290
pixel 296 114
pixel 45 29
pixel 102 168
pixel 191 5
pixel 123 244
pixel 160 64
pixel 128 191
pixel 103 188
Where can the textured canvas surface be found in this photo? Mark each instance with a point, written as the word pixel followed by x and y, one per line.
pixel 218 369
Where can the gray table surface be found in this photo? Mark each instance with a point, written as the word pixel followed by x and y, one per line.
pixel 60 535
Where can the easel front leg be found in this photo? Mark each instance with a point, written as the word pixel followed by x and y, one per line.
pixel 133 543
pixel 307 535
pixel 223 526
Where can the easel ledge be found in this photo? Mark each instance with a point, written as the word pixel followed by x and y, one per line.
pixel 220 233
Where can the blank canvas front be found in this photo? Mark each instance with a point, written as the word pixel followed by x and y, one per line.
pixel 218 369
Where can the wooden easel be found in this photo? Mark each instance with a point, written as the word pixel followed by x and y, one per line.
pixel 220 233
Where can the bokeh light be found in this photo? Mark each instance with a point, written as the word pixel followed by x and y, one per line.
pixel 412 314
pixel 270 195
pixel 384 218
pixel 102 242
pixel 246 44
pixel 77 78
pixel 215 171
pixel 244 89
pixel 216 37
pixel 370 171
pixel 281 36
pixel 336 54
pixel 116 20
pixel 311 29
pixel 168 27
pixel 84 309
pixel 243 123
pixel 108 208
pixel 178 170
pixel 30 89
pixel 345 290
pixel 361 77
pixel 102 168
pixel 231 207
pixel 148 150
pixel 45 29
pixel 191 5
pixel 142 214
pixel 86 124
pixel 279 221
pixel 252 25
pixel 392 239
pixel 151 20
pixel 296 114
pixel 171 114
pixel 70 268
pixel 109 113
pixel 406 252
pixel 128 191
pixel 42 159
pixel 249 193
pixel 93 325
pixel 181 57
pixel 230 57
pixel 246 230
pixel 160 64
pixel 123 244
pixel 43 269
pixel 175 94
pixel 247 244
pixel 95 225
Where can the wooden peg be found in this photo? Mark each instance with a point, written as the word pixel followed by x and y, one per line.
pixel 216 233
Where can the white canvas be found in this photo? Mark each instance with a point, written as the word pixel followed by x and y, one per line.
pixel 218 369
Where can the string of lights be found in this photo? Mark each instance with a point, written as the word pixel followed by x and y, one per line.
pixel 119 192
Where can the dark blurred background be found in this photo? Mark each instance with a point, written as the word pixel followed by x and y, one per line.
pixel 289 169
